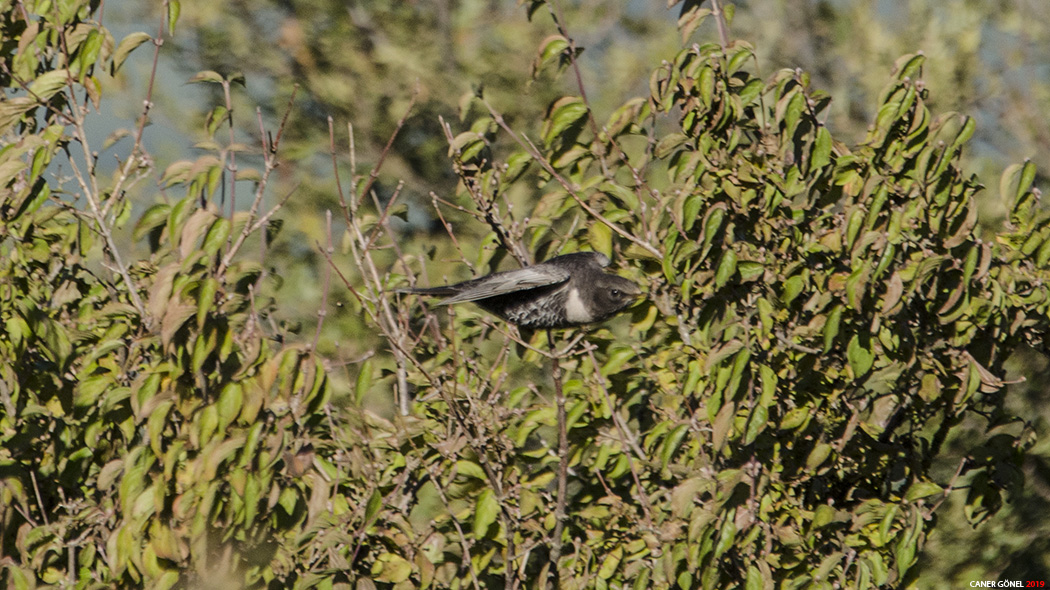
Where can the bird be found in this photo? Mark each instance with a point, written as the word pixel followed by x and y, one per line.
pixel 566 291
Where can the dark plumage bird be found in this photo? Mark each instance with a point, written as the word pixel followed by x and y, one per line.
pixel 569 290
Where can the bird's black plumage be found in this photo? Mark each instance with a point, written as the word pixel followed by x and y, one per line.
pixel 569 290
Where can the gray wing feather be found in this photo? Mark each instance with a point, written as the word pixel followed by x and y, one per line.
pixel 509 282
pixel 598 259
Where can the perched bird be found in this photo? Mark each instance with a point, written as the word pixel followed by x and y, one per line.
pixel 569 290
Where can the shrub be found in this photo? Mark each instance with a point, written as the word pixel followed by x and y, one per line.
pixel 820 318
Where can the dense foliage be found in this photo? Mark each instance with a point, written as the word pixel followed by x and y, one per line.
pixel 775 415
pixel 821 318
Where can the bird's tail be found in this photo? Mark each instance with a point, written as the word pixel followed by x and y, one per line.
pixel 443 291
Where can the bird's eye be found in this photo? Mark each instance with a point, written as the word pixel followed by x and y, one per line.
pixel 615 292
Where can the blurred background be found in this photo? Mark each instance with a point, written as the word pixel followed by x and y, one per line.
pixel 365 63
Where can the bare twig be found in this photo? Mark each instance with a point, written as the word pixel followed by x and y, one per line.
pixel 487 207
pixel 720 20
pixel 270 164
pixel 452 235
pixel 385 216
pixel 534 152
pixel 374 174
pixel 147 104
pixel 322 310
pixel 88 180
pixel 232 167
pixel 359 246
pixel 463 541
pixel 563 464
pixel 799 347
pixel 948 489
pixel 39 500
pixel 626 437
pixel 559 22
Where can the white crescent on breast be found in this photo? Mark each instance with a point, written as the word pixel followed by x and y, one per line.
pixel 576 310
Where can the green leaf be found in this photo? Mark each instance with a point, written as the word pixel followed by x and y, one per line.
pixel 922 489
pixel 206 299
pixel 153 217
pixel 750 271
pixel 391 569
pixel 610 563
pixel 9 170
pixel 88 53
pixel 375 504
pixel 552 48
pixel 860 355
pixel 726 534
pixel 47 85
pixel 668 144
pixel 125 47
pixel 600 238
pixel 155 426
pixel 756 424
pixel 288 500
pixel 831 327
pixel 470 469
pixel 712 228
pixel 820 154
pixel 174 8
pixel 671 444
pixel 485 512
pixel 206 76
pixel 791 289
pixel 726 268
pixel 364 381
pixel 909 66
pixel 817 456
pixel 754 580
pixel 217 235
pixel 229 403
pixel 564 113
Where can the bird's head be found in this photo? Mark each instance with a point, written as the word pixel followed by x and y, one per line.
pixel 611 294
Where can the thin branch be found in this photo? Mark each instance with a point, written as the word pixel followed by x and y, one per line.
pixel 795 346
pixel 452 235
pixel 232 167
pixel 349 286
pixel 563 464
pixel 720 20
pixel 39 500
pixel 626 437
pixel 270 164
pixel 362 257
pixel 147 104
pixel 322 310
pixel 265 218
pixel 463 541
pixel 100 221
pixel 948 489
pixel 485 206
pixel 534 152
pixel 385 216
pixel 374 174
pixel 92 193
pixel 559 21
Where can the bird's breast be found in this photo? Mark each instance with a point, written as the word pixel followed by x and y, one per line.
pixel 576 311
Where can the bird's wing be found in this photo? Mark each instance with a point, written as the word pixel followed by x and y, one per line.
pixel 593 259
pixel 508 282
